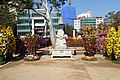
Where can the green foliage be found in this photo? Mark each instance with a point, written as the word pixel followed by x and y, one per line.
pixel 20 5
pixel 1 52
pixel 113 18
pixel 116 62
pixel 7 16
pixel 2 62
pixel 69 30
pixel 56 3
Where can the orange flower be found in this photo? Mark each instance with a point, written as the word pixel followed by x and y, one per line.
pixel 93 27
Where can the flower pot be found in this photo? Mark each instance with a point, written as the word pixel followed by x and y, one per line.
pixel 91 53
pixel 86 54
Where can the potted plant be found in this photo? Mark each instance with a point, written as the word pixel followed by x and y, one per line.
pixel 31 42
pixel 89 41
pixel 110 42
pixel 117 45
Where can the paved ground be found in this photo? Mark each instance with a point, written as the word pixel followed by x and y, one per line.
pixel 49 69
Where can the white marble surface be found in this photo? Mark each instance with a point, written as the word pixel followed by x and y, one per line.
pixel 60 40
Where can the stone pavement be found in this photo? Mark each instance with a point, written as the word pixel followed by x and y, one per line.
pixel 66 69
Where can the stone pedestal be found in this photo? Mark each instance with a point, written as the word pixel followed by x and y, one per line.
pixel 61 53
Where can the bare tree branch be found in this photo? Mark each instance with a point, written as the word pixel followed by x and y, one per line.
pixel 57 9
pixel 40 13
pixel 37 5
pixel 43 3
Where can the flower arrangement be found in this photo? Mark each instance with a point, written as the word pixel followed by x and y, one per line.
pixel 11 40
pixel 7 40
pixel 117 44
pixel 3 41
pixel 87 28
pixel 89 42
pixel 111 40
pixel 100 44
pixel 113 43
pixel 31 57
pixel 74 42
pixel 31 42
pixel 89 58
pixel 20 47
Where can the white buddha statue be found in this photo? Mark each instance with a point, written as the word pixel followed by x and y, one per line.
pixel 60 40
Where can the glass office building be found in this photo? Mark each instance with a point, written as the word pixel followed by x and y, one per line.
pixel 88 22
pixel 68 14
pixel 32 23
pixel 24 24
pixel 55 16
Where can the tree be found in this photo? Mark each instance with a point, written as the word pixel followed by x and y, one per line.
pixel 109 18
pixel 46 4
pixel 7 17
pixel 69 30
pixel 116 19
pixel 113 19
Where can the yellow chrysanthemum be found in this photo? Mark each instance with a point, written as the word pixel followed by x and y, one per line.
pixel 110 40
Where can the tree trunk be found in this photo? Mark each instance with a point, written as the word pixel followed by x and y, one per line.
pixel 48 19
pixel 52 33
pixel 51 27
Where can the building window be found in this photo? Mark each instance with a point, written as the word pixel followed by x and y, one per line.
pixel 55 20
pixel 97 18
pixel 23 33
pixel 39 21
pixel 55 14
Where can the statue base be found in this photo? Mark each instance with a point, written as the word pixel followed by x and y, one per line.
pixel 61 53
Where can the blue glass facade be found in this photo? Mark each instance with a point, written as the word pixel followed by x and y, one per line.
pixel 69 14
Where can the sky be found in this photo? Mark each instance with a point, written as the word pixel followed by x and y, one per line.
pixel 99 8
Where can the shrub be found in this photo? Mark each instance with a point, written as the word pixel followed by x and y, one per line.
pixel 100 45
pixel 7 40
pixel 117 44
pixel 11 40
pixel 3 41
pixel 89 44
pixel 32 43
pixel 74 42
pixel 20 47
pixel 111 40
